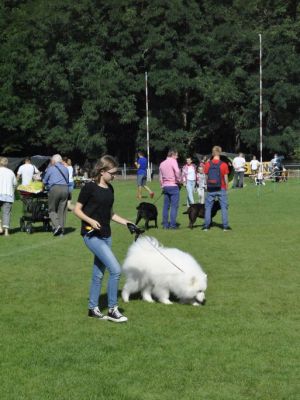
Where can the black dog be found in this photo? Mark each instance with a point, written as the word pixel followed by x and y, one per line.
pixel 147 211
pixel 198 210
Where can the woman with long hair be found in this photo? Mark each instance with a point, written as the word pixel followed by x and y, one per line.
pixel 95 209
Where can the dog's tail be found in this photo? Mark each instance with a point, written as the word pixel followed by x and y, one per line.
pixel 186 212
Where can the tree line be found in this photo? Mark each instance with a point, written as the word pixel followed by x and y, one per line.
pixel 73 76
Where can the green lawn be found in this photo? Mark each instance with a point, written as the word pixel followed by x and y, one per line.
pixel 241 345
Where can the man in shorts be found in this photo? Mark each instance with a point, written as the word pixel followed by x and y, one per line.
pixel 254 164
pixel 141 165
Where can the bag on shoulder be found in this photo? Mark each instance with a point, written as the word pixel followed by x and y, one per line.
pixel 214 177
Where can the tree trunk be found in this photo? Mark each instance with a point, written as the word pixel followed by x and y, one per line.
pixel 185 109
pixel 237 142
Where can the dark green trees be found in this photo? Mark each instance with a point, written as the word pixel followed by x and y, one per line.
pixel 72 76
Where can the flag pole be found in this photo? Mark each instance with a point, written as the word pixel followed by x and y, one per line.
pixel 260 99
pixel 147 128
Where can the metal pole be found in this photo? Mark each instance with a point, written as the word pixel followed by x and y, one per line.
pixel 260 98
pixel 147 128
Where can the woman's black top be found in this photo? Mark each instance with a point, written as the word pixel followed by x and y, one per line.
pixel 97 203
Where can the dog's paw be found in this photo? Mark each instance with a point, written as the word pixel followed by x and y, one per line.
pixel 196 304
pixel 165 301
pixel 148 299
pixel 125 297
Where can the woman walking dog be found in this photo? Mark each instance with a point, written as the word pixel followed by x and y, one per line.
pixel 95 208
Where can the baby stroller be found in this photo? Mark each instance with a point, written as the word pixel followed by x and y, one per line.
pixel 35 209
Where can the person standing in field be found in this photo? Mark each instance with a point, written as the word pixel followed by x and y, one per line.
pixel 217 183
pixel 26 172
pixel 68 164
pixel 8 183
pixel 239 163
pixel 189 180
pixel 170 180
pixel 142 165
pixel 56 179
pixel 95 209
pixel 254 164
pixel 201 184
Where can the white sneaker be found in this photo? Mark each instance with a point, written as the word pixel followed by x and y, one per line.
pixel 115 315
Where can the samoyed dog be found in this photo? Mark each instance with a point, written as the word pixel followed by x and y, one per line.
pixel 155 270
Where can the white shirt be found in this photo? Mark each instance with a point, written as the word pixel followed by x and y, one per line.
pixel 239 163
pixel 26 171
pixel 201 180
pixel 70 169
pixel 254 164
pixel 191 175
pixel 7 184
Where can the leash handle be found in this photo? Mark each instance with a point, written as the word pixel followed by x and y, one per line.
pixel 133 229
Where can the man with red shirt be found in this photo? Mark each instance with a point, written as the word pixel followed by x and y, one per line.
pixel 215 191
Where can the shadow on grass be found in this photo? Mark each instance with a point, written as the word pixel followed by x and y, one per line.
pixel 103 300
pixel 41 229
pixel 212 225
pixel 137 297
pixel 69 230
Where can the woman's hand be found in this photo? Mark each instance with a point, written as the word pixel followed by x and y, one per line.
pixel 95 224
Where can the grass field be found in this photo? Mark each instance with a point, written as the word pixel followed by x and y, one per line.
pixel 243 344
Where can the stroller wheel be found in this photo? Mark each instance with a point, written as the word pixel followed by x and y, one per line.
pixel 29 228
pixel 22 225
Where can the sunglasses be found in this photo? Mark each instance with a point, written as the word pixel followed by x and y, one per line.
pixel 112 173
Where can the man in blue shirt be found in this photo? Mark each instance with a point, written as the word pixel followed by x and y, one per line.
pixel 141 164
pixel 56 179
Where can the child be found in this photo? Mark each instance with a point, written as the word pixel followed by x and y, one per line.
pixel 259 180
pixel 95 209
pixel 201 184
pixel 189 180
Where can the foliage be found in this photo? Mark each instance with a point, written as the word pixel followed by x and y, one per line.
pixel 72 76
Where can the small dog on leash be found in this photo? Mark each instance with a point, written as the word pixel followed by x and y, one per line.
pixel 148 211
pixel 198 210
pixel 157 271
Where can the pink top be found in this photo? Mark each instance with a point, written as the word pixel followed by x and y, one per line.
pixel 169 172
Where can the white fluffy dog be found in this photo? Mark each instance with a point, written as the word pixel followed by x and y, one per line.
pixel 156 270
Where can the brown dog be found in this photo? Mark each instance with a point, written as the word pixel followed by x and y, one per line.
pixel 198 211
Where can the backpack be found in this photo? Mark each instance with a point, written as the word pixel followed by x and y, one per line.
pixel 214 177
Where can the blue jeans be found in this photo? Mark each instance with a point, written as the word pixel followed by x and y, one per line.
pixel 190 186
pixel 171 200
pixel 209 201
pixel 104 258
pixel 71 186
